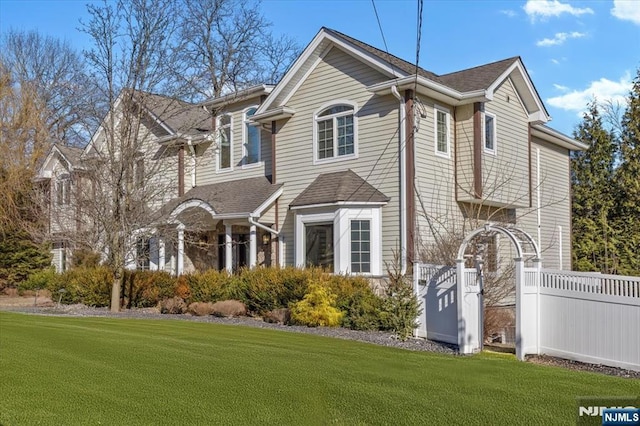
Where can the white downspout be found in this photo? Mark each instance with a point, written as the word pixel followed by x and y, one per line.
pixel 403 183
pixel 192 150
pixel 538 212
pixel 274 232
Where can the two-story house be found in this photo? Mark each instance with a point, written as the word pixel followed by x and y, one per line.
pixel 356 155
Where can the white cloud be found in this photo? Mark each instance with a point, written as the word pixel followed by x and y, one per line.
pixel 559 39
pixel 627 10
pixel 510 13
pixel 548 8
pixel 561 87
pixel 604 90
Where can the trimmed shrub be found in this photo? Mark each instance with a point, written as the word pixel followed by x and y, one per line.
pixel 145 289
pixel 208 286
pixel 90 286
pixel 175 306
pixel 278 316
pixel 363 312
pixel 317 308
pixel 229 308
pixel 201 309
pixel 38 281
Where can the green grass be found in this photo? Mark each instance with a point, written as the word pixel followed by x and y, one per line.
pixel 57 370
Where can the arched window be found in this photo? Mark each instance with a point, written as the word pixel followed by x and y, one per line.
pixel 251 138
pixel 335 132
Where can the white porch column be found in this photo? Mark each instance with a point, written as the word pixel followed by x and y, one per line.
pixel 228 252
pixel 161 254
pixel 253 249
pixel 180 268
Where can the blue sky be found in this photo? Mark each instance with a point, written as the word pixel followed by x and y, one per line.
pixel 574 50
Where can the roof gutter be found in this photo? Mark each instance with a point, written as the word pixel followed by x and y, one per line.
pixel 204 137
pixel 273 114
pixel 550 135
pixel 446 94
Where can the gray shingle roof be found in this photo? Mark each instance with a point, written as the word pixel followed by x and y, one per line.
pixel 71 153
pixel 227 198
pixel 335 187
pixel 179 116
pixel 476 78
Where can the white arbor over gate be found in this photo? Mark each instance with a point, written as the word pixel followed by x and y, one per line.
pixel 470 291
pixel 585 316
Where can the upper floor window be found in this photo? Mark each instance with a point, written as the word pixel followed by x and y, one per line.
pixel 251 137
pixel 335 132
pixel 441 130
pixel 139 173
pixel 63 191
pixel 489 133
pixel 225 142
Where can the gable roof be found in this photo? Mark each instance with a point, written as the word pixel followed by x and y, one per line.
pixel 242 197
pixel 339 187
pixel 176 115
pixel 70 154
pixel 476 84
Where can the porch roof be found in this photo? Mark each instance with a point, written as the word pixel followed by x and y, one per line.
pixel 238 198
pixel 339 187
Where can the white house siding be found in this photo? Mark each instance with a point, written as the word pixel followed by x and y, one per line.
pixel 206 153
pixel 464 151
pixel 62 216
pixel 436 209
pixel 341 77
pixel 555 202
pixel 505 175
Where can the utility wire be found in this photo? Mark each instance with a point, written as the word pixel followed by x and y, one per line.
pixel 384 40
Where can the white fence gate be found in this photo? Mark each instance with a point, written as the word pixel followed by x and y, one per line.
pixel 582 316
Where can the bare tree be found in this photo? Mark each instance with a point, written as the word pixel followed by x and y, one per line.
pixel 54 72
pixel 126 171
pixel 227 47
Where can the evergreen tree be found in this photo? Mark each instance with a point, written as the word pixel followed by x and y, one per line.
pixel 627 179
pixel 592 172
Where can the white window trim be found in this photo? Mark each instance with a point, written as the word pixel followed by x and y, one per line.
pixel 63 184
pixel 493 151
pixel 341 219
pixel 218 144
pixel 245 122
pixel 336 157
pixel 436 109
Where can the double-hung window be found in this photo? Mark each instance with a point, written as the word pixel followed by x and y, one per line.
pixel 63 191
pixel 225 143
pixel 441 130
pixel 335 132
pixel 361 246
pixel 251 138
pixel 490 133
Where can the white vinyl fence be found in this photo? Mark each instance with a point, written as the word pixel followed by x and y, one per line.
pixel 590 317
pixel 586 317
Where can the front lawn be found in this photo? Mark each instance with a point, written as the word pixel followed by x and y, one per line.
pixel 61 370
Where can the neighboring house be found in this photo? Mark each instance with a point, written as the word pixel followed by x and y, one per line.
pixel 351 158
